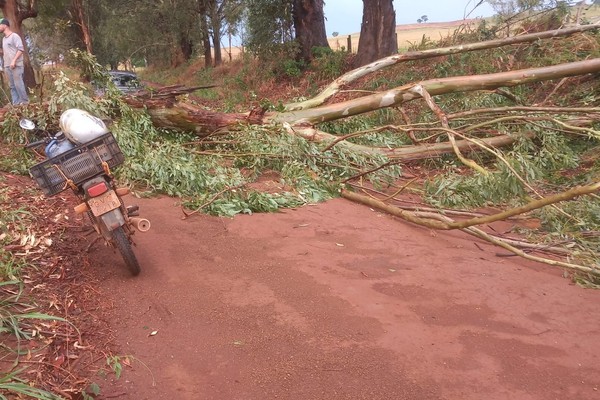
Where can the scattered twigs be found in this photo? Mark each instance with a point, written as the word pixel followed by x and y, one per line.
pixel 419 206
pixel 363 173
pixel 532 205
pixel 236 155
pixel 513 118
pixel 519 252
pixel 507 94
pixel 549 248
pixel 400 190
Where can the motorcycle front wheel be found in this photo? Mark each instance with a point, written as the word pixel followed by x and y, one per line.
pixel 121 242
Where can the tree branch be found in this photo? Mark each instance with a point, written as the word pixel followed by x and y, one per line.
pixel 434 87
pixel 438 221
pixel 358 73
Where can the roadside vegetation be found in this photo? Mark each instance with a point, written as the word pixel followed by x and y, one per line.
pixel 20 319
pixel 262 168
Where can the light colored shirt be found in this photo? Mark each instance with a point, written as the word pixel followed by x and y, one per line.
pixel 10 46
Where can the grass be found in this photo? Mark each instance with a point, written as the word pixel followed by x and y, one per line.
pixel 11 383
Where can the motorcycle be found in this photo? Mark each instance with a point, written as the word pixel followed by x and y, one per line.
pixel 80 156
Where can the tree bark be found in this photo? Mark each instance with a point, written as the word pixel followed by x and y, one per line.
pixel 309 24
pixel 187 47
pixel 84 28
pixel 216 39
pixel 204 31
pixel 216 11
pixel 377 33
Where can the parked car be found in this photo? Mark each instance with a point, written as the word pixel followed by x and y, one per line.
pixel 125 81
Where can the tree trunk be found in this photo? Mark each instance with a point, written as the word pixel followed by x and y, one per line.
pixel 215 12
pixel 84 28
pixel 377 33
pixel 16 15
pixel 205 34
pixel 216 38
pixel 309 24
pixel 207 53
pixel 187 47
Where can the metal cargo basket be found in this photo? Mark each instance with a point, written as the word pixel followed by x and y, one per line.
pixel 78 164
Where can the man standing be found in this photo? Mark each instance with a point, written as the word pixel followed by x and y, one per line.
pixel 12 48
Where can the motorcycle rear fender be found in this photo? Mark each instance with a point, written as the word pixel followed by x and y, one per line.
pixel 113 219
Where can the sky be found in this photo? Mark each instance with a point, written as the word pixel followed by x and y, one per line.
pixel 345 16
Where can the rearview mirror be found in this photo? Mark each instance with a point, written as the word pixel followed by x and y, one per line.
pixel 27 124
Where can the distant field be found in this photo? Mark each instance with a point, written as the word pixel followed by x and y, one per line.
pixel 409 33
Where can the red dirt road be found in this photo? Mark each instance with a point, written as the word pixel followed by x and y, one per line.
pixel 337 301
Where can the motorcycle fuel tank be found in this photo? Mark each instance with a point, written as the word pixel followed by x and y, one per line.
pixel 80 126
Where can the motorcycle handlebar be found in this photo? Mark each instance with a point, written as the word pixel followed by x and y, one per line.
pixel 35 144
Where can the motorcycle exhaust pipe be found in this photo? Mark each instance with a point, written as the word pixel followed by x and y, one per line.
pixel 141 224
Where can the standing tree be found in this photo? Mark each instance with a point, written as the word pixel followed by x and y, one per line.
pixel 377 33
pixel 165 32
pixel 16 11
pixel 81 18
pixel 234 13
pixel 216 18
pixel 51 33
pixel 269 27
pixel 205 31
pixel 309 24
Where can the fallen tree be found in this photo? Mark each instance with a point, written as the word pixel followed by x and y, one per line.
pixel 460 131
pixel 182 115
pixel 179 114
pixel 169 112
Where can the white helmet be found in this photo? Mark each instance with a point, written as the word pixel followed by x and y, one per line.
pixel 80 127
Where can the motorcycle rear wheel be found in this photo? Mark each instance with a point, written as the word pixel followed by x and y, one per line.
pixel 121 242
